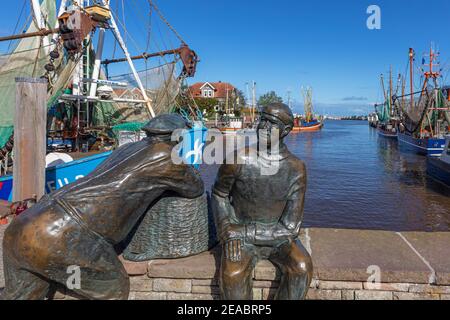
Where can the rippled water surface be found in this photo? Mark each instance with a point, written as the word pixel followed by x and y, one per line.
pixel 359 180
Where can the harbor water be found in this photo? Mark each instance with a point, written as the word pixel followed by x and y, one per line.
pixel 357 179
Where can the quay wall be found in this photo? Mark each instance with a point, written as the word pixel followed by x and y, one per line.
pixel 348 265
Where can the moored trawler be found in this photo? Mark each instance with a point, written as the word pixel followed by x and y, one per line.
pixel 372 119
pixel 385 115
pixel 427 146
pixel 301 125
pixel 425 120
pixel 387 130
pixel 439 167
pixel 308 122
pixel 87 103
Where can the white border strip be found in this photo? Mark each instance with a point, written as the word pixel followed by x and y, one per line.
pixel 424 148
pixel 432 277
pixel 308 241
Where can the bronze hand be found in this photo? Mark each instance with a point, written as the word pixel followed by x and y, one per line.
pixel 232 250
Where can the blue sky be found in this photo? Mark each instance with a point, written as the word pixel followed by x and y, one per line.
pixel 284 44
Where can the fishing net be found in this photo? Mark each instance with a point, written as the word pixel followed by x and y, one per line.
pixel 383 112
pixel 29 56
pixel 160 83
pixel 128 126
pixel 27 59
pixel 414 113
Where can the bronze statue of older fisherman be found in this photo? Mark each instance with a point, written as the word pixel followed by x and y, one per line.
pixel 80 224
pixel 259 215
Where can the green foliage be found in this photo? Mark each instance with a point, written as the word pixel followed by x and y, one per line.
pixel 268 98
pixel 206 104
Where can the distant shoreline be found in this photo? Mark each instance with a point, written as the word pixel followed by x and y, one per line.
pixel 348 119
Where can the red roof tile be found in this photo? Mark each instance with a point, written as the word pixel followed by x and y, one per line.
pixel 219 92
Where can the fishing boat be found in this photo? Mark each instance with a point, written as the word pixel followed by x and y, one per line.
pixel 372 119
pixel 301 125
pixel 232 124
pixel 309 121
pixel 386 114
pixel 425 115
pixel 439 167
pixel 89 95
pixel 58 176
pixel 387 131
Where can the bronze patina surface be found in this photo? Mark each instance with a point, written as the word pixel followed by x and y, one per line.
pixel 80 224
pixel 259 215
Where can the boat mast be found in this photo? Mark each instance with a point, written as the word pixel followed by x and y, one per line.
pixel 390 91
pixel 40 23
pixel 403 90
pixel 253 100
pixel 289 98
pixel 411 75
pixel 384 94
pixel 119 39
pixel 433 75
pixel 227 109
pixel 382 87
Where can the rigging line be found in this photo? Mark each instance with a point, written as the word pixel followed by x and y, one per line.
pixel 157 46
pixel 126 32
pixel 123 20
pixel 166 22
pixel 115 42
pixel 24 29
pixel 162 39
pixel 140 71
pixel 139 14
pixel 18 21
pixel 149 29
pixel 23 51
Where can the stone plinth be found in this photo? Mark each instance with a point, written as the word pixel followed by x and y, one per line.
pixel 412 265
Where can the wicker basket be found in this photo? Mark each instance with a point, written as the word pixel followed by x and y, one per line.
pixel 174 227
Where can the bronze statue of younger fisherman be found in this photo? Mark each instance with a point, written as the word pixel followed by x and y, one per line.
pixel 79 225
pixel 259 215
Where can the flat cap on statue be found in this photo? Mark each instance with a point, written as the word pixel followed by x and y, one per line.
pixel 280 111
pixel 166 124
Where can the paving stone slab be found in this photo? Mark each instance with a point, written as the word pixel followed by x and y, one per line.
pixel 434 247
pixel 201 266
pixel 2 279
pixel 346 255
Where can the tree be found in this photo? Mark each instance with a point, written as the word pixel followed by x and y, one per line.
pixel 206 105
pixel 239 102
pixel 268 98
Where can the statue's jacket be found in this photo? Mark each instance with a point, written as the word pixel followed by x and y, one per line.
pixel 269 204
pixel 111 199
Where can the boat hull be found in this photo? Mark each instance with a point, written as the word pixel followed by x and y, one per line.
pixel 426 146
pixel 316 127
pixel 387 134
pixel 58 176
pixel 439 170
